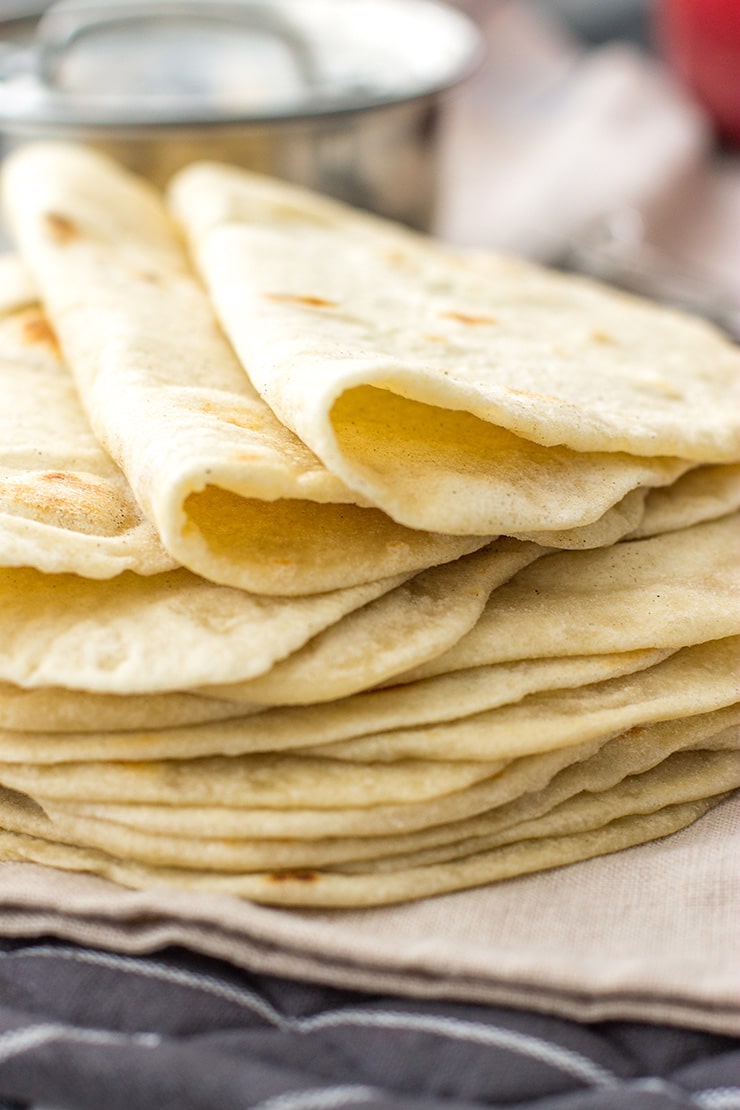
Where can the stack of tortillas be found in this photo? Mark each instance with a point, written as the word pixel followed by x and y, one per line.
pixel 420 573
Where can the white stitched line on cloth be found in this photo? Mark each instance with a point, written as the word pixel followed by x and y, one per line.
pixel 17 1041
pixel 718 1098
pixel 320 1098
pixel 564 1059
pixel 148 969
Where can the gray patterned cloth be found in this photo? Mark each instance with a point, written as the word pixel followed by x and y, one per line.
pixel 88 1029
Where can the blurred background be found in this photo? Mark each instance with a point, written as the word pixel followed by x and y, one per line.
pixel 598 135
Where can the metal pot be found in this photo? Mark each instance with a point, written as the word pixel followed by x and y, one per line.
pixel 340 95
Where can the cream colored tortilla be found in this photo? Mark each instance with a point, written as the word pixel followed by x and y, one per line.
pixel 234 495
pixel 616 523
pixel 54 710
pixel 456 812
pixel 474 397
pixel 417 621
pixel 664 592
pixel 310 888
pixel 446 698
pixel 17 287
pixel 706 493
pixel 682 777
pixel 64 506
pixel 631 754
pixel 270 781
pixel 135 635
pixel 694 680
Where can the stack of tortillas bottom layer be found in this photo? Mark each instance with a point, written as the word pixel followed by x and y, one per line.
pixel 432 579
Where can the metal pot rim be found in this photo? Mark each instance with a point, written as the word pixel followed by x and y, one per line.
pixel 26 102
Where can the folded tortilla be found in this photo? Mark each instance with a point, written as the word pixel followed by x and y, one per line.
pixel 233 494
pixel 459 394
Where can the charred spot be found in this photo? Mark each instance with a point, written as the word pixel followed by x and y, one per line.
pixel 293 877
pixel 302 299
pixel 602 337
pixel 435 338
pixel 469 318
pixel 37 329
pixel 61 229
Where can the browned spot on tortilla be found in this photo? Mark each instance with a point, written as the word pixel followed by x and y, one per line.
pixel 37 329
pixel 70 501
pixel 61 229
pixel 61 476
pixel 602 337
pixel 245 418
pixel 297 298
pixel 435 338
pixel 469 318
pixel 293 877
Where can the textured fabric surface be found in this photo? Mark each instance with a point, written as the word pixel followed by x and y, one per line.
pixel 647 934
pixel 86 1028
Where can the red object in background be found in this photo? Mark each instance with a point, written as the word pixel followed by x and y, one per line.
pixel 701 40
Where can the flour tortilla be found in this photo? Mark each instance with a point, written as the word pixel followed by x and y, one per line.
pixel 682 777
pixel 632 754
pixel 447 698
pixel 64 506
pixel 664 592
pixel 694 680
pixel 416 374
pixel 17 287
pixel 233 494
pixel 422 821
pixel 415 622
pixel 706 493
pixel 54 710
pixel 310 888
pixel 167 632
pixel 269 781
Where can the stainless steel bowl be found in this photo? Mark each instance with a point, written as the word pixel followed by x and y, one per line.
pixel 339 95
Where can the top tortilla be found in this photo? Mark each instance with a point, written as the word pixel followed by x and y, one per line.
pixel 458 393
pixel 233 494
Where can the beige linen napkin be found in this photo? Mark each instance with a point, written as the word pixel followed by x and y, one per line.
pixel 651 933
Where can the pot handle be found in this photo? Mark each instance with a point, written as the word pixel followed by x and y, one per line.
pixel 66 22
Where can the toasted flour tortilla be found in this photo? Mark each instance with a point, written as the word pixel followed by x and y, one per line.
pixel 667 591
pixel 629 755
pixel 136 635
pixel 331 889
pixel 233 494
pixel 488 395
pixel 64 505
